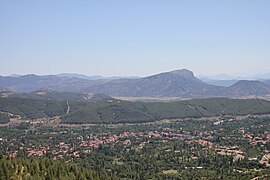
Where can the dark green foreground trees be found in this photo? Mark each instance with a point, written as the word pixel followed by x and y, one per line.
pixel 39 169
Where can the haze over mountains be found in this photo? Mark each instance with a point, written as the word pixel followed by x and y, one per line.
pixel 179 83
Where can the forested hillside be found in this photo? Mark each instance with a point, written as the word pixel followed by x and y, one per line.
pixel 136 112
pixel 116 111
pixel 31 108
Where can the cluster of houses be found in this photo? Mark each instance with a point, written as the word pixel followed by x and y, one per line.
pixel 256 140
pixel 88 143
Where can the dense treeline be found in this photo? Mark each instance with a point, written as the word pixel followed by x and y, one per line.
pixel 43 168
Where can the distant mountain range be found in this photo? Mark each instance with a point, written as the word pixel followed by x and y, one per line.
pixel 31 82
pixel 82 76
pixel 232 77
pixel 179 83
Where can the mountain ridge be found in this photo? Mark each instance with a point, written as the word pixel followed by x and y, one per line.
pixel 178 83
pixel 249 87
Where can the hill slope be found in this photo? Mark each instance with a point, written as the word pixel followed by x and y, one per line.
pixel 31 108
pixel 248 88
pixel 267 82
pixel 180 83
pixel 122 111
pixel 115 111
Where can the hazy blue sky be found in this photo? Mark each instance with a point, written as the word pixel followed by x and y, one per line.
pixel 138 37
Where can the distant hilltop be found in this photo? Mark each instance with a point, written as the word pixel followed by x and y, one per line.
pixel 179 83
